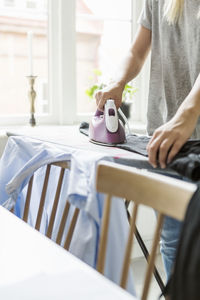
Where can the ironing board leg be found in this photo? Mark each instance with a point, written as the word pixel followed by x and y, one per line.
pixel 145 251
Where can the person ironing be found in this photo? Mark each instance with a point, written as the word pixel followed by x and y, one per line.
pixel 171 30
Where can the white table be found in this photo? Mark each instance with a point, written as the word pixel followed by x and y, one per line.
pixel 33 267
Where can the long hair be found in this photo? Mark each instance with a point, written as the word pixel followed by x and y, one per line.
pixel 173 10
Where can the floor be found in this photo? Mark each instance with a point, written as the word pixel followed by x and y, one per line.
pixel 139 267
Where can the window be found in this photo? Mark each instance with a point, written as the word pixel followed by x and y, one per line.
pixel 15 24
pixel 9 3
pixel 103 35
pixel 31 4
pixel 104 31
pixel 70 40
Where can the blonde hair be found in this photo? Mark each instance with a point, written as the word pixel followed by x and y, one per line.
pixel 173 10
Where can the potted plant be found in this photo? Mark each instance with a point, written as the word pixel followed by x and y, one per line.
pixel 127 95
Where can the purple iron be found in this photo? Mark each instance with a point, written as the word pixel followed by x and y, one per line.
pixel 105 127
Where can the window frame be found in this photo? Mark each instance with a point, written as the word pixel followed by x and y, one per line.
pixel 12 4
pixel 142 80
pixel 62 70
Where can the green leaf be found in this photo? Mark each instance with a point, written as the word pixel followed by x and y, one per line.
pixel 97 72
pixel 128 92
pixel 90 91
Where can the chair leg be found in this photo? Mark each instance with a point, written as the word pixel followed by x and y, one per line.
pixel 28 198
pixel 62 223
pixel 55 204
pixel 145 251
pixel 152 256
pixel 42 199
pixel 71 229
pixel 12 210
pixel 146 254
pixel 104 235
pixel 129 246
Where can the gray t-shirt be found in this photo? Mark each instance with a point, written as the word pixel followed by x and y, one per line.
pixel 175 60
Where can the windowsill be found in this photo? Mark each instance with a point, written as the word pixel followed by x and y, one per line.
pixel 137 127
pixel 40 130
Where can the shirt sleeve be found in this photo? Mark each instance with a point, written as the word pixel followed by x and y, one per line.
pixel 145 18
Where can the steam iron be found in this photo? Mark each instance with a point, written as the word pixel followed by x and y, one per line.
pixel 106 128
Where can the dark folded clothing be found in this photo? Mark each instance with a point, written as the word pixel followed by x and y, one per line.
pixel 134 143
pixel 188 166
pixel 186 162
pixel 84 128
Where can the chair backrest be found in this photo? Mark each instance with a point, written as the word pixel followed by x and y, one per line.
pixel 63 165
pixel 166 195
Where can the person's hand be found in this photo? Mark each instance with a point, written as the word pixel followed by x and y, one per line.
pixel 113 91
pixel 168 139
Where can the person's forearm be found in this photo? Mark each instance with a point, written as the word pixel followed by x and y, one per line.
pixel 135 58
pixel 168 139
pixel 191 105
pixel 129 68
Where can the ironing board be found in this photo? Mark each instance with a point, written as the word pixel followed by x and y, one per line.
pixel 70 136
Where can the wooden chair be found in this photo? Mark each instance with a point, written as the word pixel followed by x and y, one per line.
pixel 63 166
pixel 168 196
